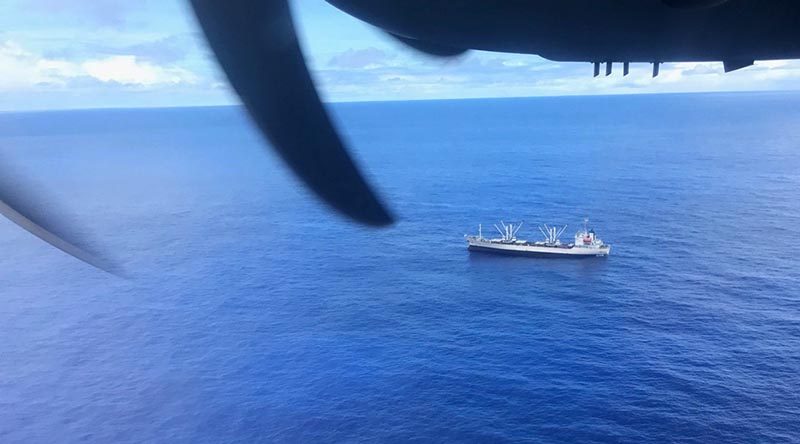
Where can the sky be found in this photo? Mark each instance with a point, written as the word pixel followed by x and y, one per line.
pixel 67 54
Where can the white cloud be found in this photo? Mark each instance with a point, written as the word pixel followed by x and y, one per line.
pixel 127 70
pixel 24 70
pixel 18 68
pixel 773 63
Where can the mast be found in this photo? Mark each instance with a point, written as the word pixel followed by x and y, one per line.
pixel 514 234
pixel 551 234
pixel 543 233
pixel 498 229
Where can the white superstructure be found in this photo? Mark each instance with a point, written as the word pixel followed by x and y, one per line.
pixel 585 244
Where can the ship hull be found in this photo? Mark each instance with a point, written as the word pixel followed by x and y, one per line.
pixel 538 251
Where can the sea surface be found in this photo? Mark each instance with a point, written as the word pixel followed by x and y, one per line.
pixel 254 314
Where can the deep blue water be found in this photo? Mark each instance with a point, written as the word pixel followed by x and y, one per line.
pixel 255 315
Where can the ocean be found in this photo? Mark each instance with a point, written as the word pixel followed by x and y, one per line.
pixel 254 314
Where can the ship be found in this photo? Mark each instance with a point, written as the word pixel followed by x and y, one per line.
pixel 586 243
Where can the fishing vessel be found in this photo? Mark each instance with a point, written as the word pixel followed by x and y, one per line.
pixel 586 243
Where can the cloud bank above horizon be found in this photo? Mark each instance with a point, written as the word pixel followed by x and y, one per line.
pixel 58 54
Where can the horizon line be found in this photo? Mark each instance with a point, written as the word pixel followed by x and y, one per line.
pixel 335 102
